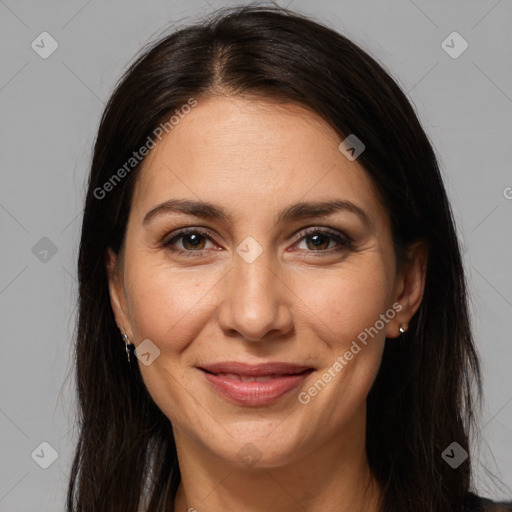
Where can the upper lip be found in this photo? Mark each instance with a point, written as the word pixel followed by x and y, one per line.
pixel 239 368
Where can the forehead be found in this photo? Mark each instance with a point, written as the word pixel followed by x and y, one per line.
pixel 250 155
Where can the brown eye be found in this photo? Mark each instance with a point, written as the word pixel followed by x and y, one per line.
pixel 319 240
pixel 192 241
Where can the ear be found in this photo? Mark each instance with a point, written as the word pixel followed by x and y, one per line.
pixel 409 286
pixel 117 293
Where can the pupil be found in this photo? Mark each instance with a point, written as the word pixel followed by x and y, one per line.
pixel 317 240
pixel 193 239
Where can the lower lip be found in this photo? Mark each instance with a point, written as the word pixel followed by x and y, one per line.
pixel 255 393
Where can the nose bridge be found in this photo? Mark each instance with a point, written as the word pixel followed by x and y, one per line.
pixel 253 302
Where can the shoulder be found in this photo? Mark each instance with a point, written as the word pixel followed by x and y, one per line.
pixel 476 503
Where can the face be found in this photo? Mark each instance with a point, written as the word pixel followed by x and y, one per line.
pixel 254 281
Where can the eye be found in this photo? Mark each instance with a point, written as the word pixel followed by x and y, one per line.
pixel 193 242
pixel 320 240
pixel 317 240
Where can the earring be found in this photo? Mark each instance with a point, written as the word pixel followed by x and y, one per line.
pixel 402 328
pixel 127 345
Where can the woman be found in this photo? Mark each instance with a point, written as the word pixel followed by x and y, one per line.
pixel 273 307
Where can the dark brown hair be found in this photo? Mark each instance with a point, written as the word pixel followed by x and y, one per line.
pixel 422 399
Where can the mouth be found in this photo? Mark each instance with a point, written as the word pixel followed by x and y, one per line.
pixel 254 385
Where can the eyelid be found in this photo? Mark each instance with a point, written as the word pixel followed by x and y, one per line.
pixel 185 231
pixel 342 238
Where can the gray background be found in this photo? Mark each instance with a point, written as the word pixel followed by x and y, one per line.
pixel 50 110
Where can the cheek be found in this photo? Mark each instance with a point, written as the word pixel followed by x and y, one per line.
pixel 345 312
pixel 169 307
pixel 167 304
pixel 345 302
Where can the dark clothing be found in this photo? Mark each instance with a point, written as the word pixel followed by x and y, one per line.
pixel 477 504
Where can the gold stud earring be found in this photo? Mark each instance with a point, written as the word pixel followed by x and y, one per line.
pixel 402 328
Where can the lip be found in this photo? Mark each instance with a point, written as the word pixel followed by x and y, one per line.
pixel 274 380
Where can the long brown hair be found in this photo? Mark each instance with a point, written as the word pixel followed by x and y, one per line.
pixel 422 399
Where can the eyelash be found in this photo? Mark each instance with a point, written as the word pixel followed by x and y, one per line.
pixel 344 240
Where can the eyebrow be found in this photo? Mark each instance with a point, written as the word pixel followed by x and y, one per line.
pixel 297 211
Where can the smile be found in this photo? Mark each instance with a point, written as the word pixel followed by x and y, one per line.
pixel 254 385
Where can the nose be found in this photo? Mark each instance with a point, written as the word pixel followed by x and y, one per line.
pixel 255 303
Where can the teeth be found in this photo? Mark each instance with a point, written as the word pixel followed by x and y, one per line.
pixel 230 375
pixel 247 378
pixel 259 378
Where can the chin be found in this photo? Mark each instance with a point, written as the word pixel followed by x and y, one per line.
pixel 261 446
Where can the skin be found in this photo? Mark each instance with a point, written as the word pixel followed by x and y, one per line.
pixel 293 303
